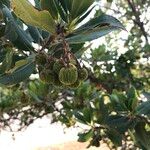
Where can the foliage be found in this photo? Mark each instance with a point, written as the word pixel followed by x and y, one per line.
pixel 46 68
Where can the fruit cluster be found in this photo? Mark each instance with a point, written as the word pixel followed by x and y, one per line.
pixel 55 71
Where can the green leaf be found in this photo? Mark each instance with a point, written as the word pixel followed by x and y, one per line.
pixel 103 110
pixel 75 48
pixel 30 15
pixel 84 15
pixel 18 75
pixel 116 120
pixel 34 96
pixel 18 64
pixel 66 5
pixel 142 136
pixel 143 109
pixel 87 112
pixel 115 137
pixel 66 105
pixel 10 32
pixel 80 117
pixel 132 98
pixel 84 137
pixel 118 101
pixel 5 2
pixel 50 6
pixel 15 33
pixel 61 11
pixel 79 7
pixel 7 62
pixel 120 123
pixel 98 52
pixel 35 34
pixel 95 28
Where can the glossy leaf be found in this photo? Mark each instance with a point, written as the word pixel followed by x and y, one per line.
pixel 18 64
pixel 18 75
pixel 84 137
pixel 115 137
pixel 84 15
pixel 41 19
pixel 103 110
pixel 67 4
pixel 95 28
pixel 35 34
pixel 79 7
pixel 62 14
pixel 142 136
pixel 87 112
pixel 143 109
pixel 118 101
pixel 7 62
pixel 120 123
pixel 15 33
pixel 132 98
pixel 50 6
pixel 80 117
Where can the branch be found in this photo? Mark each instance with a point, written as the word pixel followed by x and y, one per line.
pixel 47 43
pixel 137 19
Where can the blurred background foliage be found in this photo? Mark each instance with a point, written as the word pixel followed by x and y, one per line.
pixel 114 102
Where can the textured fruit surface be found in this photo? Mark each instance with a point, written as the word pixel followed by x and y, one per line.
pixel 47 76
pixel 57 83
pixel 75 85
pixel 41 59
pixel 68 75
pixel 82 74
pixel 57 66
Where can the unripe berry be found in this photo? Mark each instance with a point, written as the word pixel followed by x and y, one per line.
pixel 41 58
pixel 68 75
pixel 82 74
pixel 57 66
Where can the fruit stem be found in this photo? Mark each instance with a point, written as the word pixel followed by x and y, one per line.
pixel 50 39
pixel 66 49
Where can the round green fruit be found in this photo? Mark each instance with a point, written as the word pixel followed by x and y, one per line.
pixel 41 58
pixel 57 83
pixel 75 85
pixel 47 76
pixel 57 66
pixel 68 75
pixel 82 74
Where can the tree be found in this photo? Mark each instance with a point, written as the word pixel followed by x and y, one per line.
pixel 105 90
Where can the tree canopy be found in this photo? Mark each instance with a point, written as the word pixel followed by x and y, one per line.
pixel 48 66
